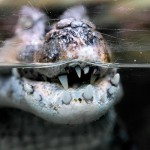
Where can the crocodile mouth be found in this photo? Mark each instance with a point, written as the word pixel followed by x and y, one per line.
pixel 69 76
pixel 70 94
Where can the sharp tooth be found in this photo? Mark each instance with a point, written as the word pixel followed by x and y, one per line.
pixel 115 80
pixel 95 70
pixel 66 97
pixel 86 69
pixel 93 78
pixel 78 71
pixel 112 90
pixel 88 93
pixel 64 81
pixel 15 72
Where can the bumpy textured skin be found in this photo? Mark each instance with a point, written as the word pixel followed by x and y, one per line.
pixel 68 39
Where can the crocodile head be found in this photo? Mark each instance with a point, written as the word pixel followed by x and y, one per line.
pixel 75 91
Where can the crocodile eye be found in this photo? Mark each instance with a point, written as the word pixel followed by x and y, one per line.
pixel 26 22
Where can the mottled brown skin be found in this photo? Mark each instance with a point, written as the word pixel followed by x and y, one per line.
pixel 61 41
pixel 57 35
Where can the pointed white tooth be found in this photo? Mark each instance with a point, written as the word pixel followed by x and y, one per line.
pixel 66 97
pixel 95 70
pixel 78 71
pixel 86 69
pixel 15 72
pixel 64 81
pixel 88 93
pixel 112 90
pixel 92 79
pixel 115 80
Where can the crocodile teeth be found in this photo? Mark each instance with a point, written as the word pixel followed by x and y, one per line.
pixel 115 80
pixel 78 71
pixel 92 79
pixel 95 70
pixel 66 97
pixel 15 72
pixel 112 90
pixel 64 81
pixel 86 69
pixel 88 93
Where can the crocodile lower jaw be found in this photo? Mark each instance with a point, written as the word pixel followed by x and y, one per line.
pixel 73 105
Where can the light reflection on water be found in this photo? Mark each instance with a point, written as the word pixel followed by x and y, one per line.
pixel 99 64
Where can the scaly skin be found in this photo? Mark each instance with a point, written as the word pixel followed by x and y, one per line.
pixel 93 91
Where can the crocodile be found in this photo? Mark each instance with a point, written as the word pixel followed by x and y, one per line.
pixel 69 101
